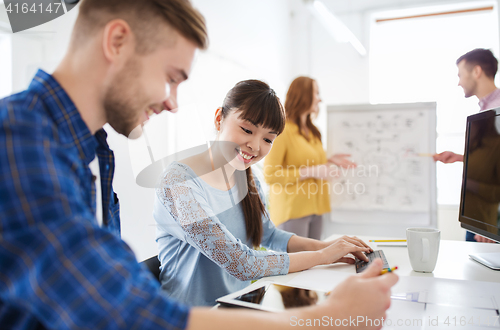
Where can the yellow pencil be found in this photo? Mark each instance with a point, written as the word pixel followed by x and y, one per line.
pixel 387 240
pixel 388 270
pixel 424 154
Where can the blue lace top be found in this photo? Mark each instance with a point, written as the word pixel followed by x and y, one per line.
pixel 202 241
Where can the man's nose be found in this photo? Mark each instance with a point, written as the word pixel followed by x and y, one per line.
pixel 170 104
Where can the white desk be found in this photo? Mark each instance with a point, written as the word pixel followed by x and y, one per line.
pixel 453 262
pixel 455 278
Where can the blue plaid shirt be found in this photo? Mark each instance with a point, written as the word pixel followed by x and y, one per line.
pixel 58 268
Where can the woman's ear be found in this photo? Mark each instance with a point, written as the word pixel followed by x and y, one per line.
pixel 218 118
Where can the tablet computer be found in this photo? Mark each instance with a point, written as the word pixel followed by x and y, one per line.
pixel 273 297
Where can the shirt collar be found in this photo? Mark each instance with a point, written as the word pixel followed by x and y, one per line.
pixel 483 103
pixel 66 116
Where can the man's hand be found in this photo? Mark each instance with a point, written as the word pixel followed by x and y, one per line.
pixel 482 239
pixel 448 157
pixel 362 297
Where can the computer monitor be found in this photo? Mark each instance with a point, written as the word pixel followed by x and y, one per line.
pixel 480 198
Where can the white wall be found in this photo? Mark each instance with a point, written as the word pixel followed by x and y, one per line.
pixel 5 65
pixel 40 47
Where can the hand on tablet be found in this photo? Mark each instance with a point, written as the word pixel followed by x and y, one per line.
pixel 337 250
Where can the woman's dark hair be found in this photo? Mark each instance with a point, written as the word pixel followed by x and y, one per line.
pixel 256 102
pixel 299 100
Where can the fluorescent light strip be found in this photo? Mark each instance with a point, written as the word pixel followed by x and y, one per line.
pixel 450 12
pixel 332 24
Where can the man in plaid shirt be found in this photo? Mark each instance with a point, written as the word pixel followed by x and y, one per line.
pixel 59 269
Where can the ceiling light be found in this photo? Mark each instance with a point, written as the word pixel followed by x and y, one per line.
pixel 334 26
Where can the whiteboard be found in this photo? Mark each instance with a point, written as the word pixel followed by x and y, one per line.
pixel 395 180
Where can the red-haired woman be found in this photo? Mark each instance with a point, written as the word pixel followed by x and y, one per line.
pixel 297 168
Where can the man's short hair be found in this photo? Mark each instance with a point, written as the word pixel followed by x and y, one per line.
pixel 482 57
pixel 144 18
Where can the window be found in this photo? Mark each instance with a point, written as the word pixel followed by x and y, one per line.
pixel 412 59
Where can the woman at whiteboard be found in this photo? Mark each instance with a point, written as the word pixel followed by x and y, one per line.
pixel 297 168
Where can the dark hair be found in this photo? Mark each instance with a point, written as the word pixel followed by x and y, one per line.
pixel 482 57
pixel 299 100
pixel 257 103
pixel 143 16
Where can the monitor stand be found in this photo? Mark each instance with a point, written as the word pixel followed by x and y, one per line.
pixel 490 260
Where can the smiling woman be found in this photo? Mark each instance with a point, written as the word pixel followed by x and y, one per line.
pixel 210 213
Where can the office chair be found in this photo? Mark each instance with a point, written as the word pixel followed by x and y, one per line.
pixel 153 264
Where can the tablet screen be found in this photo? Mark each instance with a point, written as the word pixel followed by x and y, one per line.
pixel 280 297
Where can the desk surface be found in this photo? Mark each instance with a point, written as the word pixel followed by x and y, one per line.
pixel 456 277
pixel 453 262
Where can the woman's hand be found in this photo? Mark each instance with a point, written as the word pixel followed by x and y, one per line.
pixel 336 250
pixel 314 252
pixel 341 161
pixel 324 172
pixel 327 171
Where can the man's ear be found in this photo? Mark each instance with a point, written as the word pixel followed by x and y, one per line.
pixel 477 71
pixel 117 39
pixel 218 118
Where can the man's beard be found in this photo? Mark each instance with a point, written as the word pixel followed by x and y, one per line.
pixel 123 100
pixel 470 91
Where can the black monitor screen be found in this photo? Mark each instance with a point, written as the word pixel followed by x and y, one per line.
pixel 480 199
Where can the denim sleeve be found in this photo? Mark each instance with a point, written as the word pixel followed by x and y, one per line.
pixel 57 266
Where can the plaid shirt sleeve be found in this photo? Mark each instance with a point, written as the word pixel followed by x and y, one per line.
pixel 58 268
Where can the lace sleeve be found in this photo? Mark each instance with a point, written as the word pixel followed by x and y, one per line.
pixel 185 201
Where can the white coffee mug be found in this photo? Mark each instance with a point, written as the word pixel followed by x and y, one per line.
pixel 423 248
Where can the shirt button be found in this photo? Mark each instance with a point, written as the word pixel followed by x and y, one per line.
pixel 107 167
